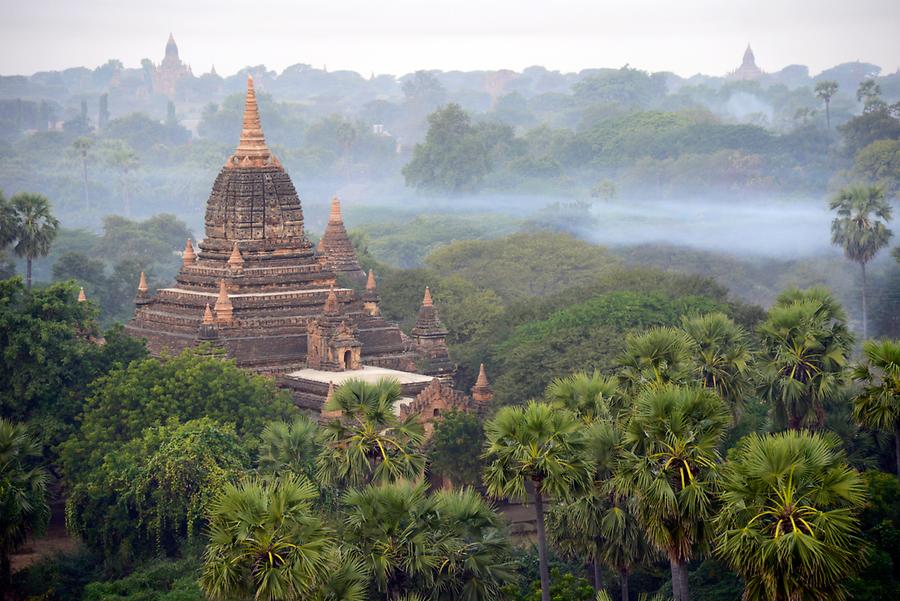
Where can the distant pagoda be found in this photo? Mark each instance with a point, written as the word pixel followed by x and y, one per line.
pixel 170 70
pixel 256 287
pixel 748 70
pixel 336 248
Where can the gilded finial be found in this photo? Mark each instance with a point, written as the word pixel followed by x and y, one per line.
pixel 142 284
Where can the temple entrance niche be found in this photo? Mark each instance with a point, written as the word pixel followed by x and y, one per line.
pixel 348 359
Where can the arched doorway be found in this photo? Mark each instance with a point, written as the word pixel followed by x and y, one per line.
pixel 348 359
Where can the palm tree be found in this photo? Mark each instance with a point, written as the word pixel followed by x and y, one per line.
pixel 590 396
pixel 805 348
pixel 367 442
pixel 787 524
pixel 860 228
pixel 119 155
pixel 475 547
pixel 824 91
pixel 81 146
pixel 393 527
pixel 290 447
pixel 601 525
pixel 347 578
pixel 722 357
pixel 669 466
pixel 265 542
pixel 541 446
pixel 878 404
pixel 23 492
pixel 656 357
pixel 34 228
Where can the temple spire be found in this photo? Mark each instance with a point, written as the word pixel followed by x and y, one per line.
pixel 224 308
pixel 370 296
pixel 236 261
pixel 335 216
pixel 331 303
pixel 208 316
pixel 189 257
pixel 142 284
pixel 426 302
pixel 252 150
pixel 81 295
pixel 482 393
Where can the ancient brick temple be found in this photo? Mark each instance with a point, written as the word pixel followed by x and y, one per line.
pixel 260 275
pixel 256 289
pixel 170 70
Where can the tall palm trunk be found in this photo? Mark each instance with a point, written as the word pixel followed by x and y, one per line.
pixel 679 580
pixel 598 576
pixel 542 541
pixel 865 311
pixel 623 583
pixel 897 447
pixel 84 181
pixel 827 115
pixel 28 273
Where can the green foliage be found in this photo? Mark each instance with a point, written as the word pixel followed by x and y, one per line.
pixel 265 542
pixel 23 491
pixel 524 265
pixel 152 493
pixel 59 577
pixel 446 546
pixel 290 448
pixel 860 227
pixel 48 359
pixel 584 336
pixel 805 348
pixel 879 164
pixel 148 393
pixel 27 223
pixel 565 586
pixel 536 444
pixel 670 466
pixel 157 580
pixel 366 441
pixel 878 404
pixel 788 520
pixel 454 447
pixel 454 157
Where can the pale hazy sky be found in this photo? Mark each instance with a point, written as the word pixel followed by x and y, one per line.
pixel 399 36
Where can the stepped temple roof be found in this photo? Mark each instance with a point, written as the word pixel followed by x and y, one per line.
pixel 336 248
pixel 259 275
